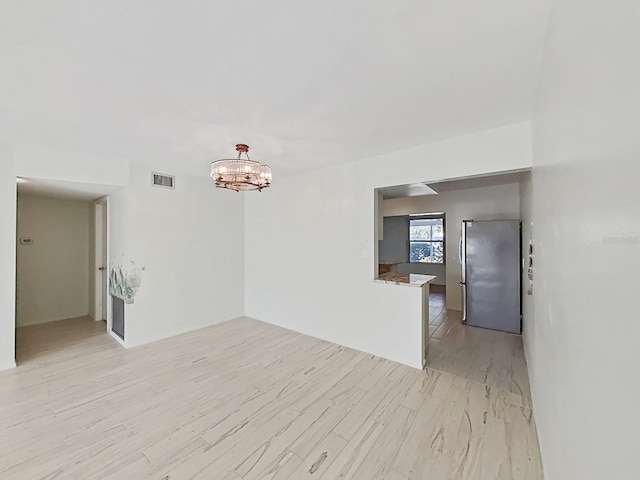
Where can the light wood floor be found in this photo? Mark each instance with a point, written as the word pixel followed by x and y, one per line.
pixel 492 358
pixel 245 400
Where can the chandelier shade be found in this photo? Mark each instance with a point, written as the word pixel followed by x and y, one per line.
pixel 240 174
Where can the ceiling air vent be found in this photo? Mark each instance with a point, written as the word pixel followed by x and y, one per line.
pixel 162 180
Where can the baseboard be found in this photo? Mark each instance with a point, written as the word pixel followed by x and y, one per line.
pixel 533 401
pixel 8 366
pixel 44 322
pixel 175 333
pixel 417 366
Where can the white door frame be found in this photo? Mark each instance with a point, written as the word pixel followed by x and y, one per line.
pixel 102 310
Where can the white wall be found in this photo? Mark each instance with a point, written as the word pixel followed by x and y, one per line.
pixel 500 202
pixel 7 258
pixel 69 166
pixel 583 351
pixel 190 242
pixel 53 273
pixel 310 242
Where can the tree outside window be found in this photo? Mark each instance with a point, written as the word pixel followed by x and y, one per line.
pixel 426 239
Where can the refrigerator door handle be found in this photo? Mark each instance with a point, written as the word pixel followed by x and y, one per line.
pixel 463 270
pixel 464 301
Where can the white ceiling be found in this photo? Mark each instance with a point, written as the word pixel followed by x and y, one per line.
pixel 479 181
pixel 305 84
pixel 411 190
pixel 85 192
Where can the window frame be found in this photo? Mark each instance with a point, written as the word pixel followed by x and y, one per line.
pixel 429 216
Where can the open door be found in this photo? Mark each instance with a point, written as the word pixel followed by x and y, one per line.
pixel 101 259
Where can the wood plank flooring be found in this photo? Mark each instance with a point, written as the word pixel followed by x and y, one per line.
pixel 245 400
pixel 495 359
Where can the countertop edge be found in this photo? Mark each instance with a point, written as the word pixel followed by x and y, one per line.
pixel 417 282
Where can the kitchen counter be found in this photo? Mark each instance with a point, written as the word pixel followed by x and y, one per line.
pixel 422 322
pixel 410 280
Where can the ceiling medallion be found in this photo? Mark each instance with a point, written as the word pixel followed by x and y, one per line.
pixel 239 174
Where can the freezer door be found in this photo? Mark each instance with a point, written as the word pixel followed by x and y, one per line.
pixel 492 275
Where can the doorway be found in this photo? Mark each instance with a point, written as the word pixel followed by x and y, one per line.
pixel 62 250
pixel 453 346
pixel 100 261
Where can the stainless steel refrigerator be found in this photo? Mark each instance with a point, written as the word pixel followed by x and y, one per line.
pixel 490 254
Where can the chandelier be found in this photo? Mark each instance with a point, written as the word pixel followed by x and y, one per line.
pixel 239 174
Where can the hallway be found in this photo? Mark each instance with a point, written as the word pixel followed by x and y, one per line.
pixel 56 341
pixel 495 359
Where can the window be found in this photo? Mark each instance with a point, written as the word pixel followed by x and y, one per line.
pixel 426 238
